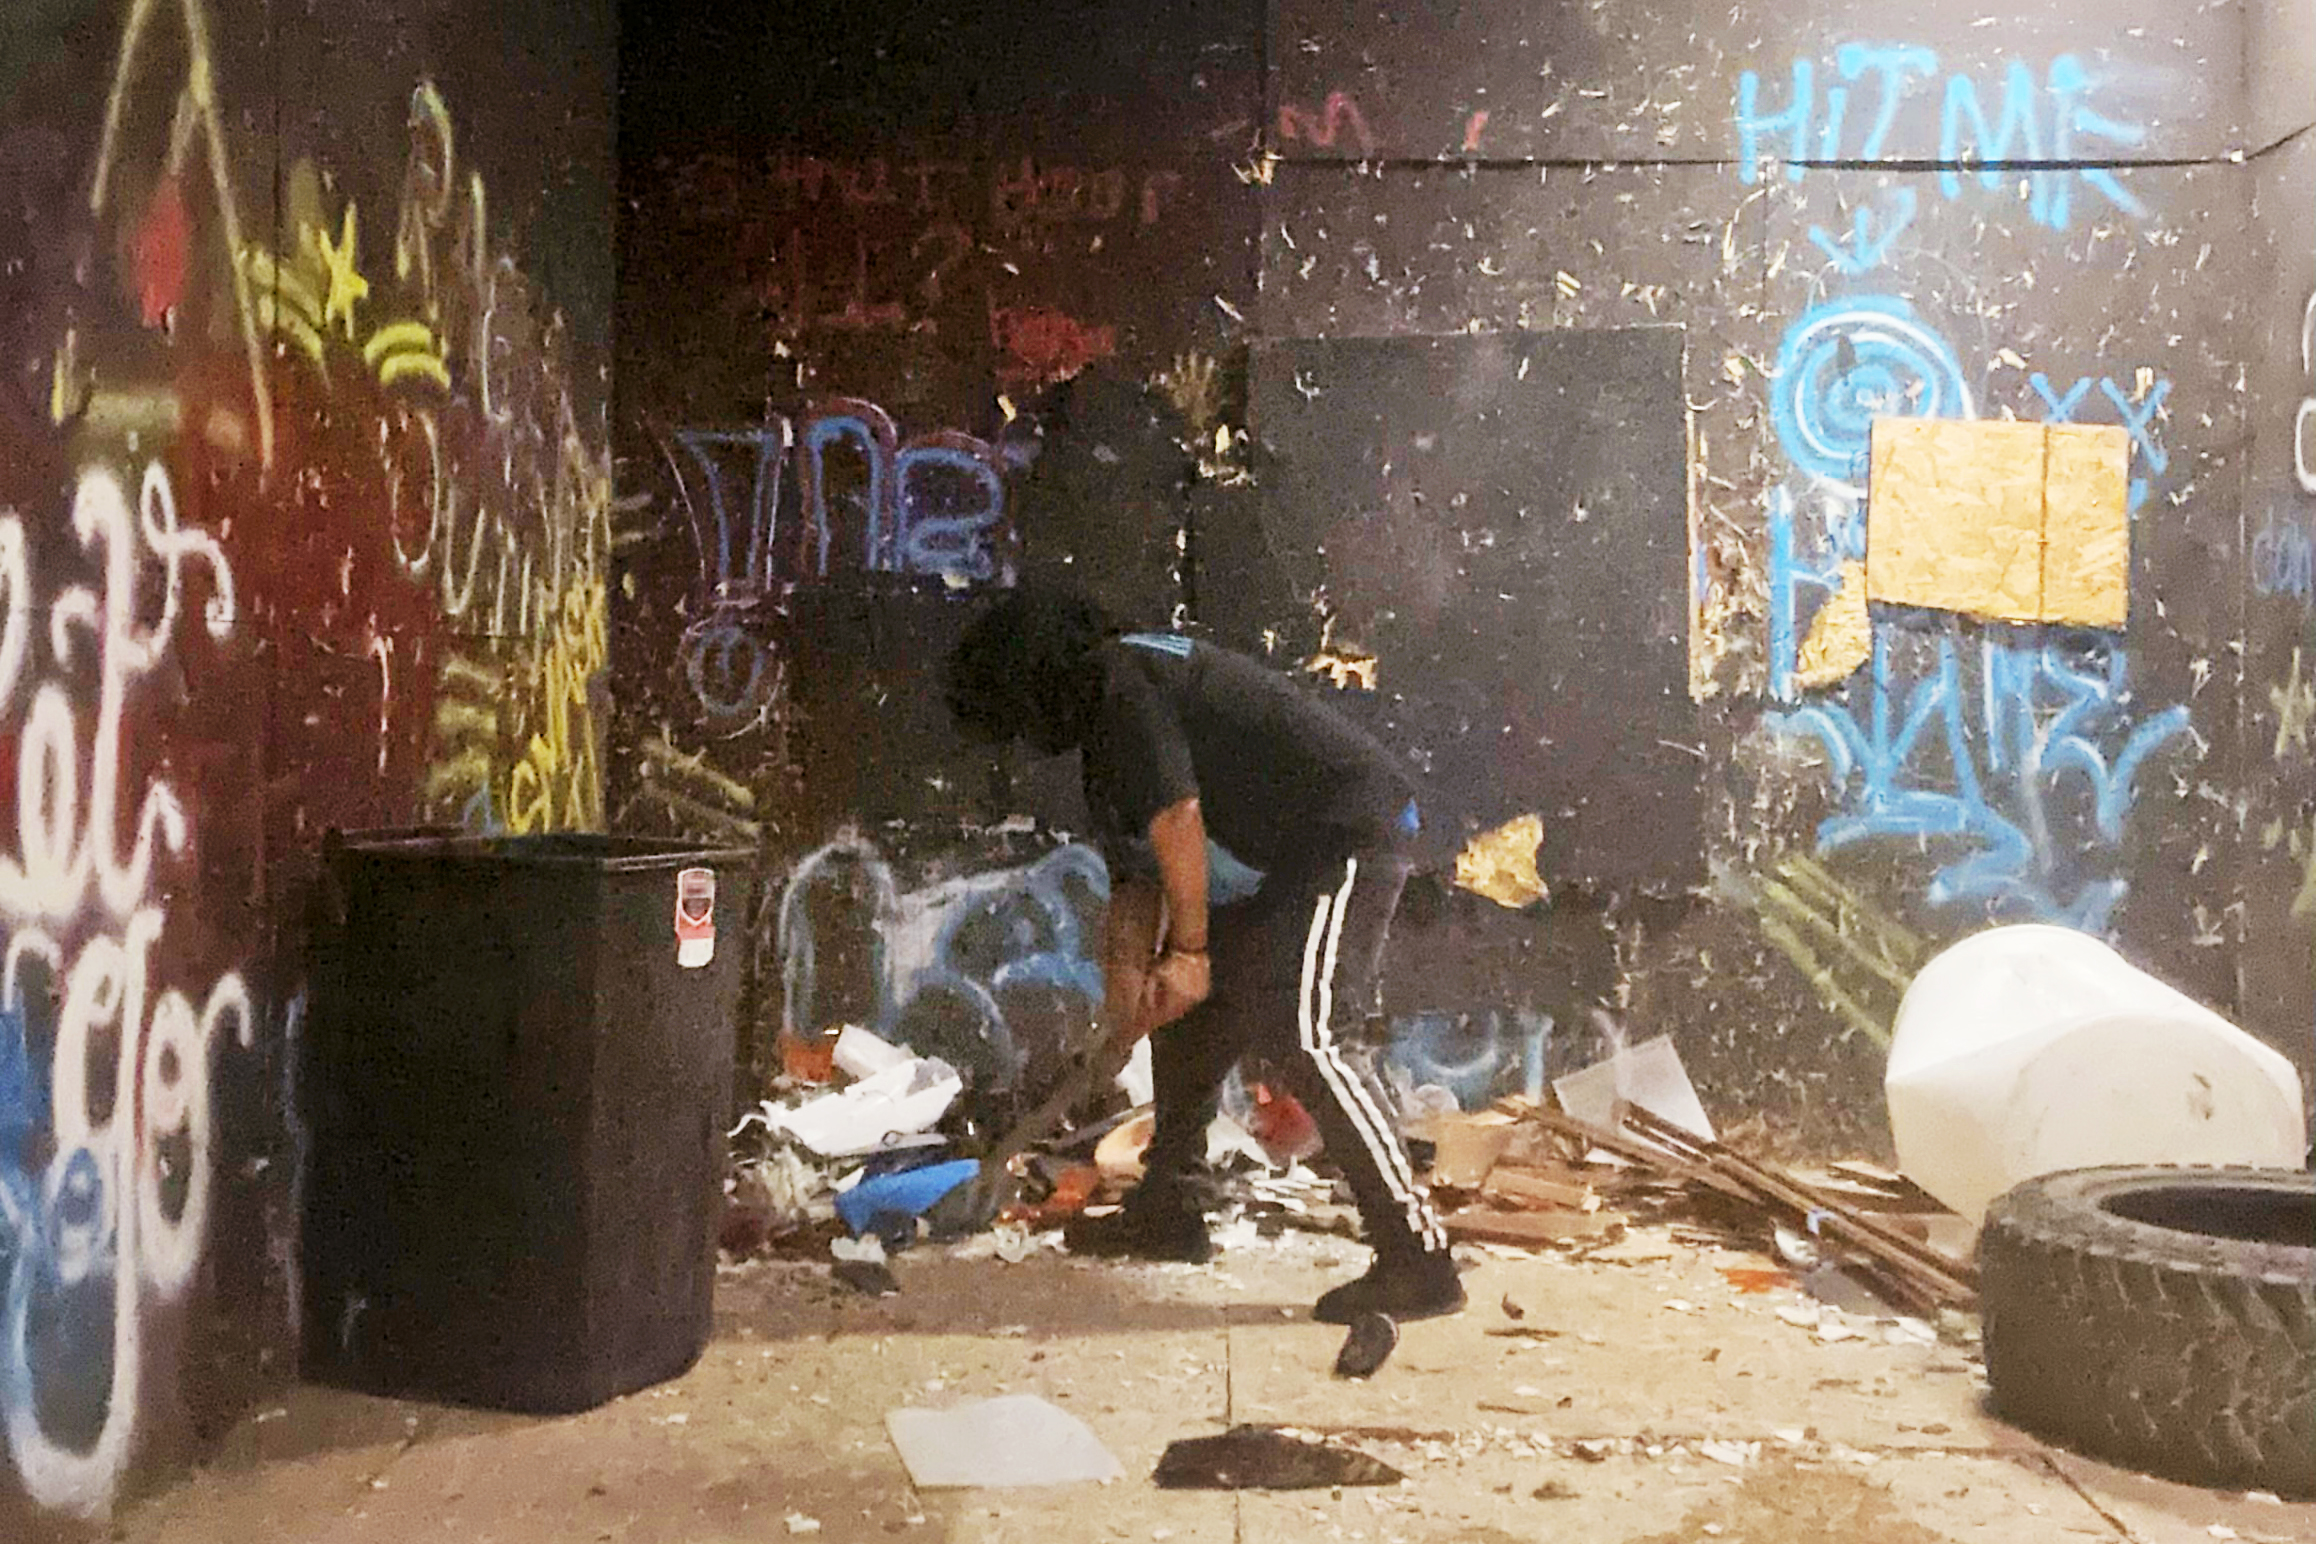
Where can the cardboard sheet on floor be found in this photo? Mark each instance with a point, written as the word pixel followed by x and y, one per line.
pixel 1649 1074
pixel 996 1444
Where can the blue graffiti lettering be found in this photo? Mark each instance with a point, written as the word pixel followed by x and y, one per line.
pixel 2042 123
pixel 2284 559
pixel 1897 67
pixel 2043 714
pixel 1866 248
pixel 2138 420
pixel 997 973
pixel 933 505
pixel 1753 125
pixel 1849 361
pixel 732 673
pixel 733 560
pixel 956 533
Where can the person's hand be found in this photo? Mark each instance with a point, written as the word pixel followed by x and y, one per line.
pixel 1177 983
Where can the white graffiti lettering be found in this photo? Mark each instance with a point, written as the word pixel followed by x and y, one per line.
pixel 123 1203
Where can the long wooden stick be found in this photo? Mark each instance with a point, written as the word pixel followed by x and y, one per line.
pixel 1941 1277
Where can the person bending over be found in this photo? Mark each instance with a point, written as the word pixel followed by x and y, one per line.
pixel 1184 743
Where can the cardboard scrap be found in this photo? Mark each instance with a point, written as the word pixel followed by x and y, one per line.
pixel 1501 864
pixel 2011 521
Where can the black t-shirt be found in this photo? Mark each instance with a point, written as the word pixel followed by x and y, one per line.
pixel 1281 778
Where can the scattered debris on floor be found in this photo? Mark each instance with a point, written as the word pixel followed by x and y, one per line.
pixel 1626 1171
pixel 994 1444
pixel 1372 1339
pixel 886 1110
pixel 1267 1458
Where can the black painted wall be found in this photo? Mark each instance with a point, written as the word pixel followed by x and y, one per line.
pixel 305 507
pixel 1074 259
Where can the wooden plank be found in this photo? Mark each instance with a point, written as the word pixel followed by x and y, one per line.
pixel 1479 1225
pixel 1532 1188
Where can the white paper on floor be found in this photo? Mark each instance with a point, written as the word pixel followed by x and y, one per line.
pixel 885 1110
pixel 993 1444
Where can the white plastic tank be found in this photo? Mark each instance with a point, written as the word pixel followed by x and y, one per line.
pixel 2027 1050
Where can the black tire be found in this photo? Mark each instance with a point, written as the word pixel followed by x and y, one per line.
pixel 2160 1318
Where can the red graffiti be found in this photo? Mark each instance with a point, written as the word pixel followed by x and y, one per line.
pixel 1324 127
pixel 161 240
pixel 1472 128
pixel 1042 346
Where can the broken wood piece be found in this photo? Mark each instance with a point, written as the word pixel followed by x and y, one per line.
pixel 1629 1148
pixel 1482 1225
pixel 1466 1147
pixel 1920 1272
pixel 1530 1189
pixel 1867 1196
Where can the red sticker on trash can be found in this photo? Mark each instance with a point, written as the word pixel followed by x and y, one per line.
pixel 695 917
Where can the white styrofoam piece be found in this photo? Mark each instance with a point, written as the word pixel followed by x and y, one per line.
pixel 2030 1049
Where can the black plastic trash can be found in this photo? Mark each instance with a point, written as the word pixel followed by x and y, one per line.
pixel 514 1090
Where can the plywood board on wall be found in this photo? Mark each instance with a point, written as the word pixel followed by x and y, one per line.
pixel 2014 522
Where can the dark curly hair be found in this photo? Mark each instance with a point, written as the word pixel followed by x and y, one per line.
pixel 1027 668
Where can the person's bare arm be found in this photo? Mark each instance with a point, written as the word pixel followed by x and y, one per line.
pixel 1181 977
pixel 1129 948
pixel 1178 834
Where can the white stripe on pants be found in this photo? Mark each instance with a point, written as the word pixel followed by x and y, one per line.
pixel 1314 1019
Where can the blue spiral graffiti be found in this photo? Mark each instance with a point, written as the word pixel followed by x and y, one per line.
pixel 1848 362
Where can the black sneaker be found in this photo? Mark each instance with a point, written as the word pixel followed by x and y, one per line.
pixel 1423 1286
pixel 1167 1229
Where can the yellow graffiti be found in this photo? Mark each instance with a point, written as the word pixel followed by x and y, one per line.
pixel 303 299
pixel 341 263
pixel 1193 385
pixel 698 797
pixel 559 781
pixel 1857 957
pixel 2295 705
pixel 401 350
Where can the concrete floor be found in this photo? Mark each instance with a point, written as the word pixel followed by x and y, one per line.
pixel 1641 1357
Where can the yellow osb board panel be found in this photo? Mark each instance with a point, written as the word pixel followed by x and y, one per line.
pixel 1501 864
pixel 1955 517
pixel 2016 522
pixel 1841 638
pixel 2087 525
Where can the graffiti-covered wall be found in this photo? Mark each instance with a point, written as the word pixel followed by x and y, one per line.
pixel 1366 339
pixel 305 507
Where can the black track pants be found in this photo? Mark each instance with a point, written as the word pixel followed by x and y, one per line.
pixel 1290 966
